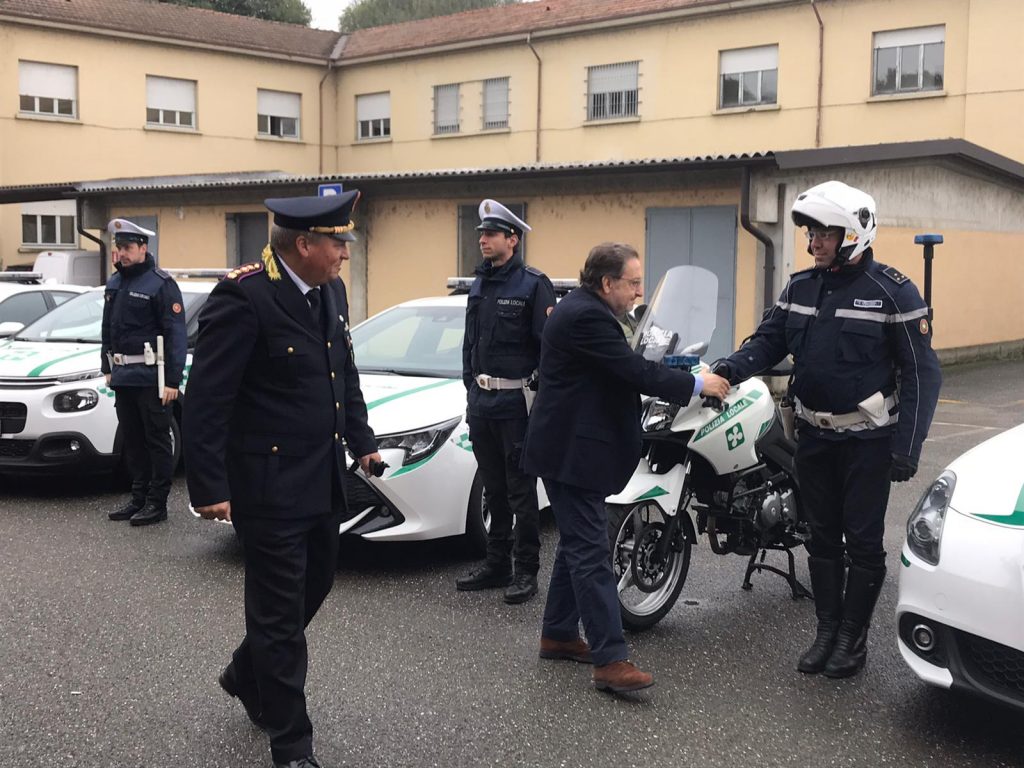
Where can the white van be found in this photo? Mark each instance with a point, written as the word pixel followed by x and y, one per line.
pixel 72 267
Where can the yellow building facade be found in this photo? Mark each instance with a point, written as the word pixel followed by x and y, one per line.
pixel 603 127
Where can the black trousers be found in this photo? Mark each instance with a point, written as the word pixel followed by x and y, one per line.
pixel 582 581
pixel 289 570
pixel 844 487
pixel 508 491
pixel 146 427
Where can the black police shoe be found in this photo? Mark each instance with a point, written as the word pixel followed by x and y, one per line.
pixel 125 512
pixel 302 762
pixel 488 576
pixel 148 515
pixel 251 703
pixel 524 586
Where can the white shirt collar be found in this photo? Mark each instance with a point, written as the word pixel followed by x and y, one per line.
pixel 302 286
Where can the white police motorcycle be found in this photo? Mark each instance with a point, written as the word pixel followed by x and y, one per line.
pixel 726 466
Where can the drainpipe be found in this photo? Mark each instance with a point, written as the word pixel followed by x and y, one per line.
pixel 769 246
pixel 539 66
pixel 104 272
pixel 821 73
pixel 330 66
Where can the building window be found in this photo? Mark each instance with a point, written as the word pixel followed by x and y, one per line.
pixel 908 60
pixel 469 237
pixel 373 115
pixel 446 108
pixel 749 76
pixel 170 102
pixel 613 90
pixel 48 224
pixel 48 89
pixel 277 113
pixel 496 103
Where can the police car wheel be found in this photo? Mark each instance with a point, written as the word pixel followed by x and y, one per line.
pixel 478 521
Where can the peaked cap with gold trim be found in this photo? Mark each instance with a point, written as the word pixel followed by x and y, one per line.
pixel 495 217
pixel 330 215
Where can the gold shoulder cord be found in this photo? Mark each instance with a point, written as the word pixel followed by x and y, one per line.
pixel 270 263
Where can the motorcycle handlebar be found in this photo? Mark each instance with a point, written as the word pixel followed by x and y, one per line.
pixel 713 402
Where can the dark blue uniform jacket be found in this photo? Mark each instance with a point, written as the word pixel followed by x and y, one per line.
pixel 270 399
pixel 505 315
pixel 584 429
pixel 852 333
pixel 140 303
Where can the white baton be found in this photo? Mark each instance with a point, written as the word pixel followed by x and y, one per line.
pixel 160 367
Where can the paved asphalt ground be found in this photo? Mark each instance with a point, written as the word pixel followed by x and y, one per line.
pixel 111 639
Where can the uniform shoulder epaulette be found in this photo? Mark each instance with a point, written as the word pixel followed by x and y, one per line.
pixel 534 271
pixel 244 271
pixel 165 275
pixel 802 273
pixel 895 275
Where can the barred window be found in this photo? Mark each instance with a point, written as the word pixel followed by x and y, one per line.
pixel 446 108
pixel 613 90
pixel 496 103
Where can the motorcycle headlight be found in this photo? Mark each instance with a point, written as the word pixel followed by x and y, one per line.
pixel 658 414
pixel 421 444
pixel 76 400
pixel 924 527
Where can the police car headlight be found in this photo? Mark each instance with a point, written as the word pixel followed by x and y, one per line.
pixel 924 527
pixel 76 400
pixel 421 444
pixel 658 414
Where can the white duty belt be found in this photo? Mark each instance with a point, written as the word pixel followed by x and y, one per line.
pixel 118 359
pixel 856 421
pixel 494 382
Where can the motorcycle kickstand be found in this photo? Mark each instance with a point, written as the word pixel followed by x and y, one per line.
pixel 797 589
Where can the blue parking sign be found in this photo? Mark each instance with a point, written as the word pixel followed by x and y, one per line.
pixel 328 190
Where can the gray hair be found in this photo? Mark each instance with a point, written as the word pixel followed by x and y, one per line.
pixel 282 239
pixel 605 260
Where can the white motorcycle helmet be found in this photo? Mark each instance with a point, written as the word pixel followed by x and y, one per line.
pixel 835 204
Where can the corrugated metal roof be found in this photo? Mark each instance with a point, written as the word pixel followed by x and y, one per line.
pixel 276 178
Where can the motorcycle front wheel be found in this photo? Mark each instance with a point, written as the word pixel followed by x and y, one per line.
pixel 648 587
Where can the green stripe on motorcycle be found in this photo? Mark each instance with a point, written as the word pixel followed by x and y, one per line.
pixel 414 390
pixel 730 413
pixel 38 370
pixel 654 493
pixel 903 559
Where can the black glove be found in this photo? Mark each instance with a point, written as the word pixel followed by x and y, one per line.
pixel 723 369
pixel 903 468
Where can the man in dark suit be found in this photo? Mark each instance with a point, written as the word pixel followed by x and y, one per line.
pixel 584 441
pixel 272 393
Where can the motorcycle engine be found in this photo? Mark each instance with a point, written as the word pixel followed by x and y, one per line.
pixel 777 509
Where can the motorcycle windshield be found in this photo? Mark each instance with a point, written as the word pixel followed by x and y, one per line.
pixel 680 319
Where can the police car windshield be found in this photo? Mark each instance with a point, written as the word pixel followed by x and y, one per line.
pixel 79 320
pixel 412 341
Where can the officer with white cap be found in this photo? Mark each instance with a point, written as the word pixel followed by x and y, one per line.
pixel 505 314
pixel 143 316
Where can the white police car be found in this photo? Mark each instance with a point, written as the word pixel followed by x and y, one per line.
pixel 960 610
pixel 410 369
pixel 24 298
pixel 56 413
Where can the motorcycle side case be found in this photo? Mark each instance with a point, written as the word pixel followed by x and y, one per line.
pixel 727 439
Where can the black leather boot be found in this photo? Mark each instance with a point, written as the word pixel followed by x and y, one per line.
pixel 125 512
pixel 850 653
pixel 148 515
pixel 524 586
pixel 827 583
pixel 488 576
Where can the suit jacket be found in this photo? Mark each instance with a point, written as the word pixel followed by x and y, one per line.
pixel 584 428
pixel 269 399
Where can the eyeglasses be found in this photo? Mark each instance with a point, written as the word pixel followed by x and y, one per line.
pixel 824 234
pixel 635 283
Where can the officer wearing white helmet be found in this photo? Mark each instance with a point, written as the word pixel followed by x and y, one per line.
pixel 865 383
pixel 505 314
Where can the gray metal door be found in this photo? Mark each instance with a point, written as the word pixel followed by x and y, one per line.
pixel 247 236
pixel 702 237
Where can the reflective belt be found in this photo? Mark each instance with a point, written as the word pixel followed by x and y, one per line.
pixel 118 359
pixel 842 422
pixel 493 382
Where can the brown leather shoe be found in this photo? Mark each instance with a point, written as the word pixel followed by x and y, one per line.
pixel 567 650
pixel 621 677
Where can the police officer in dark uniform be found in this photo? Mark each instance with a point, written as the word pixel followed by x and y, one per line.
pixel 505 314
pixel 865 382
pixel 143 334
pixel 273 402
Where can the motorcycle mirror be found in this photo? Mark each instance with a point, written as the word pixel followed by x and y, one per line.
pixel 696 349
pixel 638 312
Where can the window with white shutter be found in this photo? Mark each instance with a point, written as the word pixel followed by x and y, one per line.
pixel 446 108
pixel 170 101
pixel 373 115
pixel 48 89
pixel 278 113
pixel 613 90
pixel 749 76
pixel 907 60
pixel 496 103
